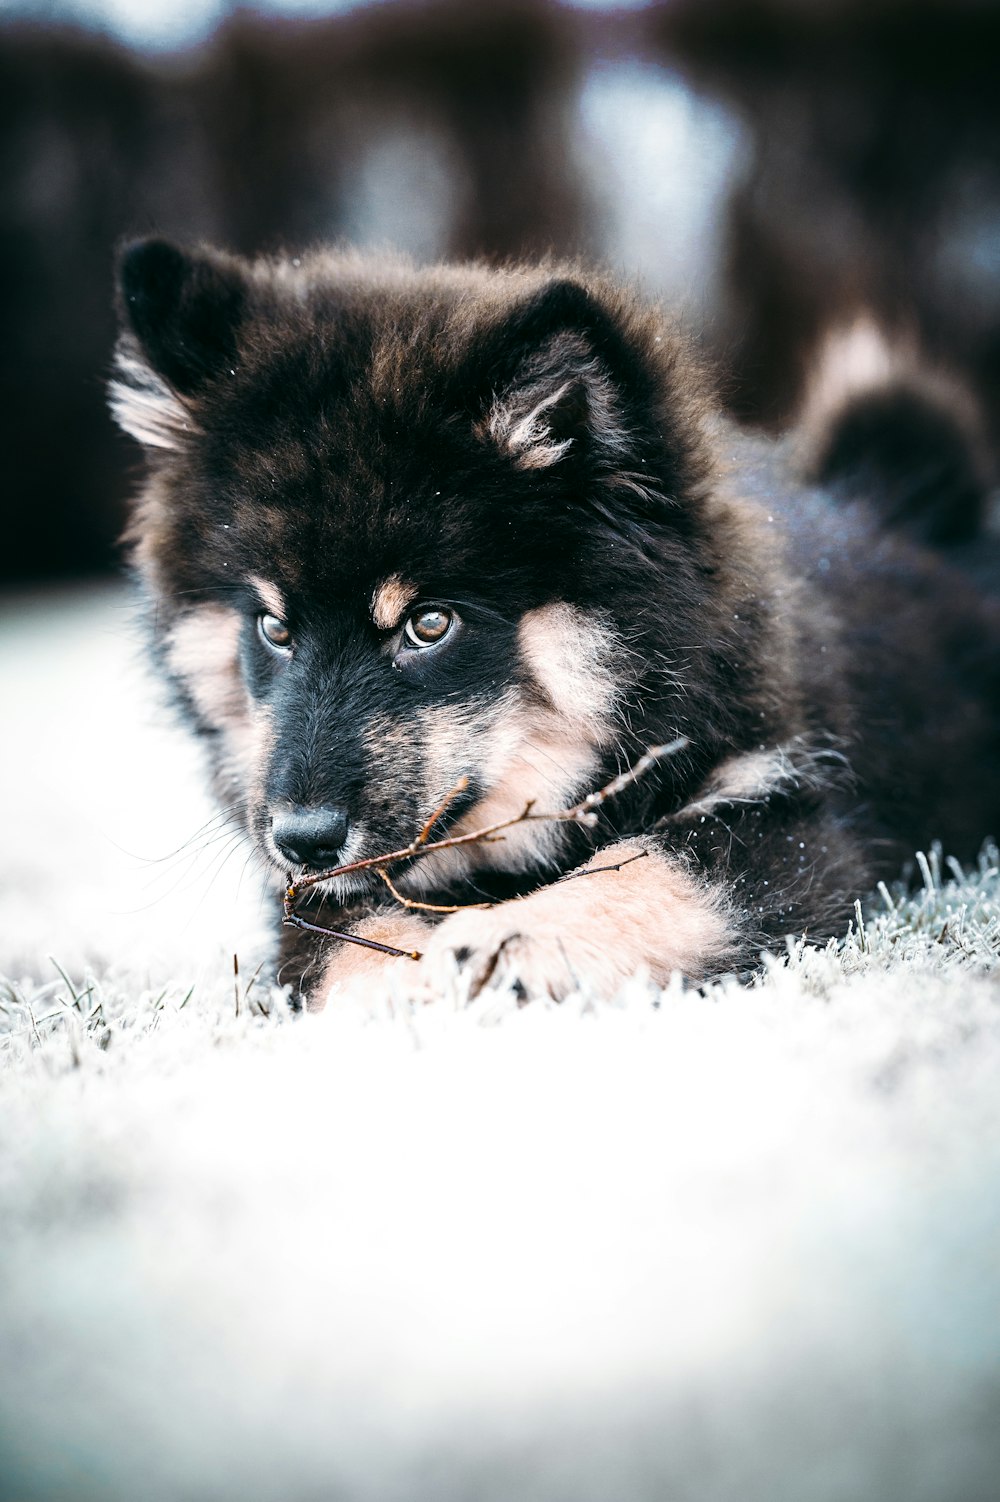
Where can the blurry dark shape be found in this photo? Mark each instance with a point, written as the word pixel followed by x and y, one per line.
pixel 915 459
pixel 881 426
pixel 90 142
pixel 258 140
pixel 492 81
pixel 873 180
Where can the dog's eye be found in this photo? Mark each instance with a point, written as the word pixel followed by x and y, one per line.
pixel 426 627
pixel 274 633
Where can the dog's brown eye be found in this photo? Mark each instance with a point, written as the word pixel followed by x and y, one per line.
pixel 425 628
pixel 275 632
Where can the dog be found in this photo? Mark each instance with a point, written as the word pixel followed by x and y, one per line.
pixel 464 540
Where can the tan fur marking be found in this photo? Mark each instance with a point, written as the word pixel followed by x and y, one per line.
pixel 522 751
pixel 854 358
pixel 391 601
pixel 546 754
pixel 578 661
pixel 518 421
pixel 755 776
pixel 270 596
pixel 752 778
pixel 348 963
pixel 546 769
pixel 595 930
pixel 203 651
pixel 247 761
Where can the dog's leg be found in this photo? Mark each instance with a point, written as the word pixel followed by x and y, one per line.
pixel 718 883
pixel 342 964
pixel 632 906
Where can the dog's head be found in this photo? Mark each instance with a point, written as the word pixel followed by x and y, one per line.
pixel 403 528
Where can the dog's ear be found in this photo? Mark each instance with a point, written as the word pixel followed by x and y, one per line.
pixel 185 310
pixel 180 316
pixel 560 380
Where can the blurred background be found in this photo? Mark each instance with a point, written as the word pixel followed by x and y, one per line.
pixel 764 166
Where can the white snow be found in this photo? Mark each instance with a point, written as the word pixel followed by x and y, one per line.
pixel 725 1246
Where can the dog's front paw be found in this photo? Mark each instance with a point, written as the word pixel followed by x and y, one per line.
pixel 629 909
pixel 499 946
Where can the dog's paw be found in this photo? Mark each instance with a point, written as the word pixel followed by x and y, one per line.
pixel 629 909
pixel 497 947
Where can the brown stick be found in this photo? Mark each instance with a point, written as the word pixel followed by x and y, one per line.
pixel 294 921
pixel 596 870
pixel 446 801
pixel 584 812
pixel 427 907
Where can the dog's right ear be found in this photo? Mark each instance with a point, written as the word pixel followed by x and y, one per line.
pixel 180 316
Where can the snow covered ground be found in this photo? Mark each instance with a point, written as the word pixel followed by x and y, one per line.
pixel 711 1247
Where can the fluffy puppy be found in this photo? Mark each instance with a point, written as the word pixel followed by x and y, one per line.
pixel 403 529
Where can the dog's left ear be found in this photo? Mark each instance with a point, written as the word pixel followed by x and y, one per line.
pixel 180 315
pixel 560 380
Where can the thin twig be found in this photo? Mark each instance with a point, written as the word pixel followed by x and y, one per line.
pixel 630 775
pixel 372 862
pixel 427 907
pixel 584 812
pixel 296 921
pixel 596 870
pixel 443 806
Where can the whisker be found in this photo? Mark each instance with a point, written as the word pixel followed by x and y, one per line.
pixel 234 839
pixel 188 860
pixel 231 810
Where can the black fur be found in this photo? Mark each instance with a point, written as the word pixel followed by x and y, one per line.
pixel 336 426
pixel 912 461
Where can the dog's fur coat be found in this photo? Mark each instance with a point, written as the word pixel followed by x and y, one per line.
pixel 525 466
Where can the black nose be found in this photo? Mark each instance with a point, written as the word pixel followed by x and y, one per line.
pixel 310 836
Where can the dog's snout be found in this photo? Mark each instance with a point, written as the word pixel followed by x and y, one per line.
pixel 310 837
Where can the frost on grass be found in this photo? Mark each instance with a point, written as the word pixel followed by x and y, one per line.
pixel 951 922
pixel 948 925
pixel 102 1016
pixel 722 1243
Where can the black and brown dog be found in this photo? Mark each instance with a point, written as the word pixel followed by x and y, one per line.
pixel 406 527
